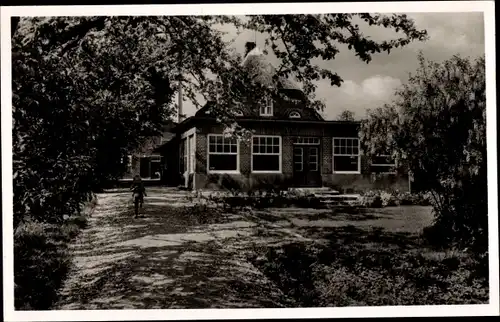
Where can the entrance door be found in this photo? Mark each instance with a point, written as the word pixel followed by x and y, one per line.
pixel 306 166
pixel 145 167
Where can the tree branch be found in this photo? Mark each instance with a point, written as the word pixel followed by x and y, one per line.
pixel 288 51
pixel 82 30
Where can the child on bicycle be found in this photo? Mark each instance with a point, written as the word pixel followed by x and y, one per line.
pixel 138 192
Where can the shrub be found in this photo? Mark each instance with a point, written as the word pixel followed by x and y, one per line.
pixel 371 199
pixel 386 199
pixel 352 275
pixel 234 185
pixel 79 221
pixel 41 262
pixel 202 212
pixel 433 235
pixel 437 128
pixel 290 267
pixel 274 184
pixel 378 199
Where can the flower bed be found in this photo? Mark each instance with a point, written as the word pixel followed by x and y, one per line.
pixel 260 200
pixel 380 198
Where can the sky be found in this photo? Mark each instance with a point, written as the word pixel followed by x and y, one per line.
pixel 371 85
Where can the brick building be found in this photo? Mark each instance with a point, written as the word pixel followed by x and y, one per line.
pixel 292 145
pixel 147 161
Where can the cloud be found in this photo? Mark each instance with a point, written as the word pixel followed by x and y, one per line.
pixel 357 97
pixel 379 87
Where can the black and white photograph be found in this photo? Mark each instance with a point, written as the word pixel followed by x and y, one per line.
pixel 337 158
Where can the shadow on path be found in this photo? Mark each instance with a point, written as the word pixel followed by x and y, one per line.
pixel 171 258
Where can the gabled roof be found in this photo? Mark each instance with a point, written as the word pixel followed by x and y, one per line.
pixel 282 111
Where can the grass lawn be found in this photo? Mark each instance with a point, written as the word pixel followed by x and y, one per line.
pixel 368 257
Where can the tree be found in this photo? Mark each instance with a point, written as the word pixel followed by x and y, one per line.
pixel 437 128
pixel 87 90
pixel 346 116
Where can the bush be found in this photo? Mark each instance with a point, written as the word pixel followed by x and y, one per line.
pixel 41 262
pixel 258 199
pixel 201 212
pixel 371 199
pixel 352 275
pixel 437 128
pixel 291 269
pixel 387 199
pixel 238 184
pixel 379 199
pixel 433 236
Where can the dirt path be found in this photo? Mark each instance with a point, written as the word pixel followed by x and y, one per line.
pixel 163 260
pixel 173 259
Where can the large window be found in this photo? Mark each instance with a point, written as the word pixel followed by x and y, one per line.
pixel 383 163
pixel 222 153
pixel 346 156
pixel 266 154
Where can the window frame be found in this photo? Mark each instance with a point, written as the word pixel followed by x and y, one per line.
pixel 335 154
pixel 306 140
pixel 268 108
pixel 280 154
pixel 294 115
pixel 237 153
pixel 316 154
pixel 384 165
pixel 301 159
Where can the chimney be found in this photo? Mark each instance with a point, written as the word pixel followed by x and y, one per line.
pixel 249 46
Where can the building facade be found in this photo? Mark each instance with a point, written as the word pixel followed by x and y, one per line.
pixel 291 145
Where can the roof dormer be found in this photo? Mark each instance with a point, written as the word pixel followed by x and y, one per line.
pixel 266 109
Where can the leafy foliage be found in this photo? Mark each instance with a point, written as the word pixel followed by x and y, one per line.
pixel 299 41
pixel 42 260
pixel 353 274
pixel 437 128
pixel 346 116
pixel 381 198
